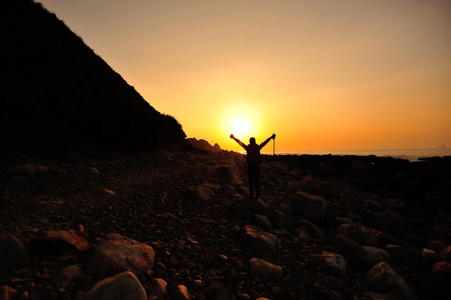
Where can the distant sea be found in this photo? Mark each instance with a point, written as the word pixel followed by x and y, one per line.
pixel 407 154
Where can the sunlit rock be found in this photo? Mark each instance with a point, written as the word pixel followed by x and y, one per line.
pixel 117 254
pixel 265 271
pixel 181 293
pixel 61 241
pixel 260 240
pixel 158 289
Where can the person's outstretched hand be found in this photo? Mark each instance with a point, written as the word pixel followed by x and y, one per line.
pixel 232 136
pixel 273 136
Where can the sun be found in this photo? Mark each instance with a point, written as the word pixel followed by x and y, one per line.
pixel 240 126
pixel 242 120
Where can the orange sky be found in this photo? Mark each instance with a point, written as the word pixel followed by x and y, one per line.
pixel 322 75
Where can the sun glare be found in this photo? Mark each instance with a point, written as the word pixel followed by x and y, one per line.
pixel 240 127
pixel 240 119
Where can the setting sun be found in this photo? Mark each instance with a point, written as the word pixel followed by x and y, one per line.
pixel 240 119
pixel 240 127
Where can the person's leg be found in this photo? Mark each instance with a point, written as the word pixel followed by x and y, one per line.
pixel 250 175
pixel 257 182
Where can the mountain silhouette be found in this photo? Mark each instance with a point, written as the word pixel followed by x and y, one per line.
pixel 57 94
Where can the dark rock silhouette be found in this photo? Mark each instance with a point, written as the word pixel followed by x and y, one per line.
pixel 203 145
pixel 121 286
pixel 57 94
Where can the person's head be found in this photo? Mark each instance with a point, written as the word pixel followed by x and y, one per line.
pixel 252 141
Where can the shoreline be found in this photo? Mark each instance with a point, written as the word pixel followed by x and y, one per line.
pixel 411 155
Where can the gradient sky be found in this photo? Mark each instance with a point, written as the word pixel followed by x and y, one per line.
pixel 322 75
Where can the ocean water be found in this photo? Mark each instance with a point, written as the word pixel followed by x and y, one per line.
pixel 408 154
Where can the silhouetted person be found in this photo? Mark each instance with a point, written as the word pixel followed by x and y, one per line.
pixel 253 163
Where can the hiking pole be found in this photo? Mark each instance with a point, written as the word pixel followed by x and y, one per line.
pixel 273 155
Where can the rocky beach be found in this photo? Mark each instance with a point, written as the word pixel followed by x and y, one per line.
pixel 132 211
pixel 179 225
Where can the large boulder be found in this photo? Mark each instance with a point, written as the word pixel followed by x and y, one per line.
pixel 62 241
pixel 360 169
pixel 66 276
pixel 383 279
pixel 445 254
pixel 123 286
pixel 309 185
pixel 334 187
pixel 386 221
pixel 413 236
pixel 403 209
pixel 385 239
pixel 433 176
pixel 357 254
pixel 259 240
pixel 437 246
pixel 12 252
pixel 265 271
pixel 227 293
pixel 359 233
pixel 263 221
pixel 312 207
pixel 441 275
pixel 378 253
pixel 259 207
pixel 157 289
pixel 229 174
pixel 7 293
pixel 353 200
pixel 281 220
pixel 240 209
pixel 117 254
pixel 333 262
pixel 312 230
pixel 335 210
pixel 292 187
pixel 28 169
pixel 199 193
pixel 437 200
pixel 326 170
pixel 406 255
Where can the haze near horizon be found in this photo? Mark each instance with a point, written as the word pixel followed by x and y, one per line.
pixel 322 75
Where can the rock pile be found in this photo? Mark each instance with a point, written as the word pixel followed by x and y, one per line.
pixel 180 226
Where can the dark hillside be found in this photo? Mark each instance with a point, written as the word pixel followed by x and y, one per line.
pixel 56 93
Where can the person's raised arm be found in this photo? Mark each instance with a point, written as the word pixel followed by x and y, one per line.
pixel 238 141
pixel 273 136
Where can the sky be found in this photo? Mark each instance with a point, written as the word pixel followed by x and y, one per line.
pixel 321 75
